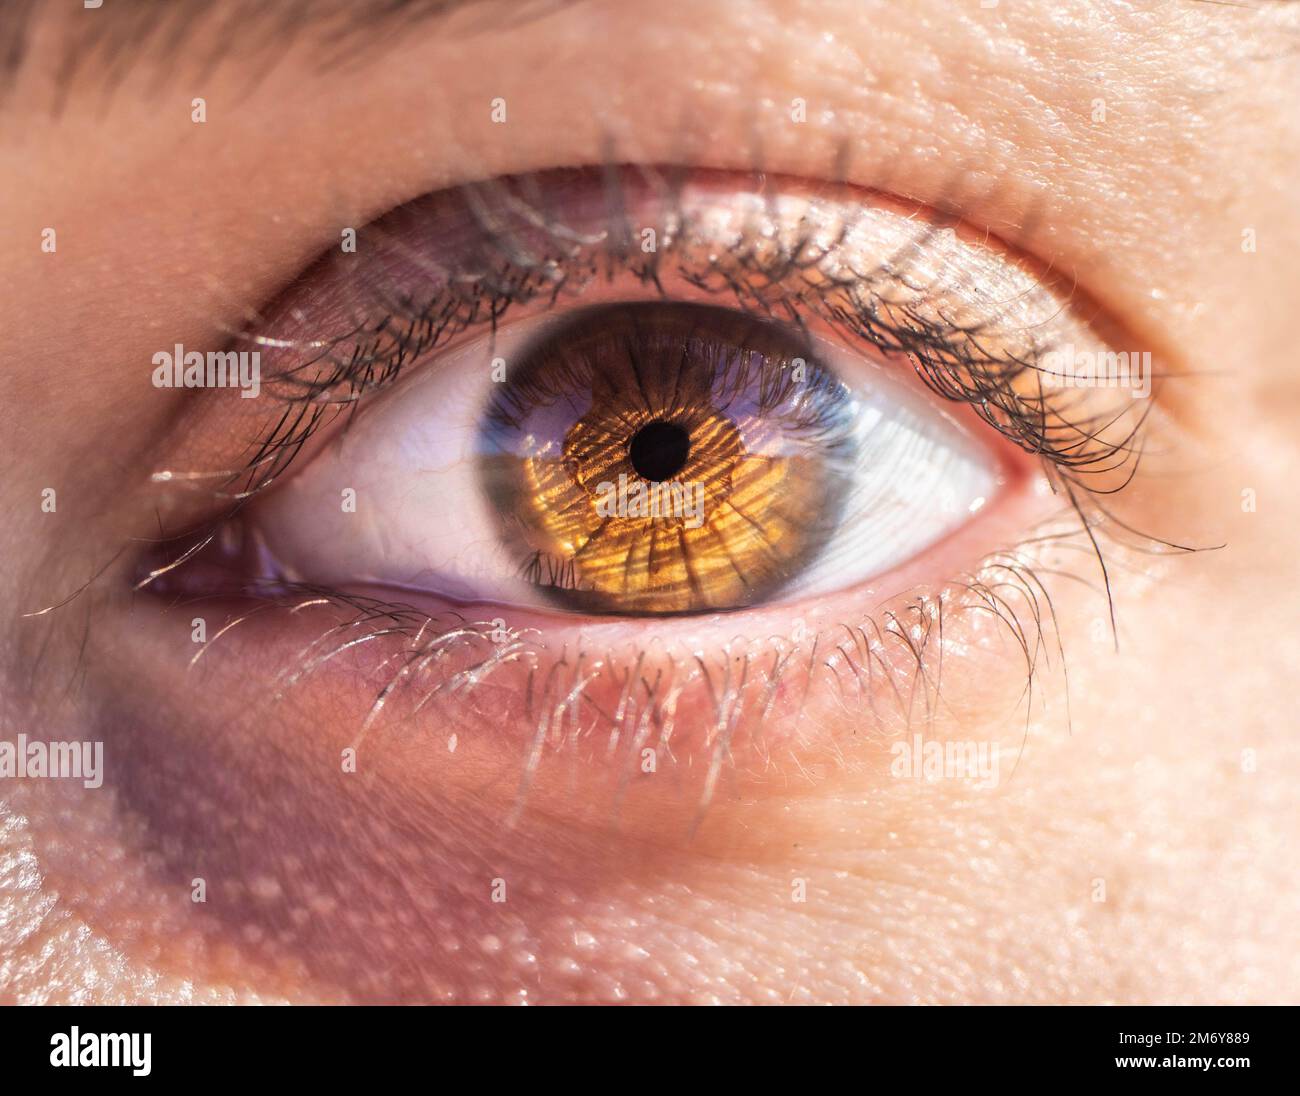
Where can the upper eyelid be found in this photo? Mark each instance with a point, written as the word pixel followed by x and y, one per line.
pixel 996 400
pixel 500 244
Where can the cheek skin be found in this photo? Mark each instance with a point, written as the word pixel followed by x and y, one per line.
pixel 323 885
pixel 330 887
pixel 379 884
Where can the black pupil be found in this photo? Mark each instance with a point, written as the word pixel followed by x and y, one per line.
pixel 659 450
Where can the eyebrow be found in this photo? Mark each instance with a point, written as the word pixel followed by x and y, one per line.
pixel 118 38
pixel 112 39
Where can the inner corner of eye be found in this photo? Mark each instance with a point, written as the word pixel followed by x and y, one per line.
pixel 642 458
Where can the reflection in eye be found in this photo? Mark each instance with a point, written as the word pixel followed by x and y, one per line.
pixel 707 461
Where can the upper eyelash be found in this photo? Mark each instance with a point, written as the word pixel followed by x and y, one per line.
pixel 336 374
pixel 948 356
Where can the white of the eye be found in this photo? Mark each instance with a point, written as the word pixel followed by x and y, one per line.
pixel 918 477
pixel 421 519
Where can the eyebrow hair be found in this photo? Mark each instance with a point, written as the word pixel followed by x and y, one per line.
pixel 113 39
pixel 119 37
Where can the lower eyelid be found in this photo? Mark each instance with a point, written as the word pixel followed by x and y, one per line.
pixel 527 697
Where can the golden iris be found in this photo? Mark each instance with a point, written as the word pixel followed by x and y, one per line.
pixel 658 457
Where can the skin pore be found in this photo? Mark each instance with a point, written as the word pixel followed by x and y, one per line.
pixel 1137 846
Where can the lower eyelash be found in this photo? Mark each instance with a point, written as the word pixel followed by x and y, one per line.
pixel 610 706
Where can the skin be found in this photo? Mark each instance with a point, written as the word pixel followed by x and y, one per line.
pixel 1140 850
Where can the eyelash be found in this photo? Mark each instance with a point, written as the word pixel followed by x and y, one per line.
pixel 785 285
pixel 948 358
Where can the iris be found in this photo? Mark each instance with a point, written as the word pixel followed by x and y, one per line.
pixel 673 401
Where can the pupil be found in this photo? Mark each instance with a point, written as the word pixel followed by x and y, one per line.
pixel 659 450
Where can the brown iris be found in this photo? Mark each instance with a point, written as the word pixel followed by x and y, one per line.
pixel 665 458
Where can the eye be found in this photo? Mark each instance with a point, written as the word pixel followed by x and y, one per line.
pixel 835 400
pixel 648 457
pixel 653 398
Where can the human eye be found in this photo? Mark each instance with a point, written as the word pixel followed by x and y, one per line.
pixel 651 459
pixel 565 424
pixel 699 441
